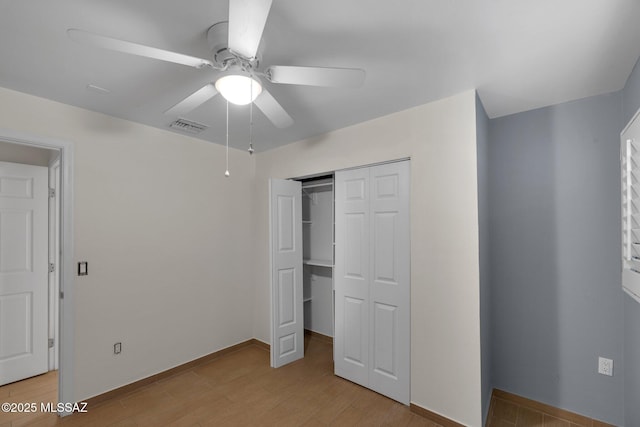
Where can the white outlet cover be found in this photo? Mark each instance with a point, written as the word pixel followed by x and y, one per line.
pixel 605 366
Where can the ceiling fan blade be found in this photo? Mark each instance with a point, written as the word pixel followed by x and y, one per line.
pixel 192 101
pixel 110 43
pixel 246 24
pixel 273 110
pixel 316 76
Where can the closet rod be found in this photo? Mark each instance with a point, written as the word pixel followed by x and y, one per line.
pixel 323 184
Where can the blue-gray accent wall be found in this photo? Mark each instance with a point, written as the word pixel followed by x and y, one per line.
pixel 554 255
pixel 631 104
pixel 482 138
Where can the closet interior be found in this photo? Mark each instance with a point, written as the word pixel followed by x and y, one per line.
pixel 318 254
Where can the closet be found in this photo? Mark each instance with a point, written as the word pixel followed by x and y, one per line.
pixel 317 254
pixel 340 267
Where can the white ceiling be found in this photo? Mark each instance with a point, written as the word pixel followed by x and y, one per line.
pixel 518 54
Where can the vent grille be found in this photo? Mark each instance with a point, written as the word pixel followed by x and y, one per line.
pixel 188 126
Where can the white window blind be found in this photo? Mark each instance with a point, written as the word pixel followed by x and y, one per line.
pixel 630 185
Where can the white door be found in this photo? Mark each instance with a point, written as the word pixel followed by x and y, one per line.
pixel 351 343
pixel 390 281
pixel 287 317
pixel 23 271
pixel 373 278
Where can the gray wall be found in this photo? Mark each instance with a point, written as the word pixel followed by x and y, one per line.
pixel 482 139
pixel 556 300
pixel 631 94
pixel 631 103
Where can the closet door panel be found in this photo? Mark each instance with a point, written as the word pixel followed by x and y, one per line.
pixel 385 331
pixel 390 281
pixel 355 255
pixel 372 278
pixel 352 275
pixel 287 334
pixel 385 230
pixel 354 314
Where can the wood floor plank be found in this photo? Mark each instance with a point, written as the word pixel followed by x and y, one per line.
pixel 237 388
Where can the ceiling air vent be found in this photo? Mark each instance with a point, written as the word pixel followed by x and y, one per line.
pixel 188 126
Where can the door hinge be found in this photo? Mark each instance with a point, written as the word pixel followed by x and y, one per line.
pixel 61 295
pixel 51 341
pixel 52 267
pixel 52 192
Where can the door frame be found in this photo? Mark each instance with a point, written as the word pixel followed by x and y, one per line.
pixel 66 314
pixel 54 258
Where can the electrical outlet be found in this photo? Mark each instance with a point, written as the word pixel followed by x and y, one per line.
pixel 605 366
pixel 117 348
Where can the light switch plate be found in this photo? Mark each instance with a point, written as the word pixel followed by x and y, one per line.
pixel 83 268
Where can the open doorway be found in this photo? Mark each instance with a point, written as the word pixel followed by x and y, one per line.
pixel 29 249
pixel 18 148
pixel 317 256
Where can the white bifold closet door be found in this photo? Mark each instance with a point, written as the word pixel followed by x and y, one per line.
pixel 287 317
pixel 372 278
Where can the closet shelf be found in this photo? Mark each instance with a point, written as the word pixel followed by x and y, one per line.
pixel 318 262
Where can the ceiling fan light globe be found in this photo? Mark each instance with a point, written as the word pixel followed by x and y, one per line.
pixel 238 89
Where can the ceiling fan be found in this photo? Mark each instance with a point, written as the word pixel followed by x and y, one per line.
pixel 236 56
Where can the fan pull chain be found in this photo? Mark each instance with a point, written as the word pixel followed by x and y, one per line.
pixel 251 119
pixel 226 172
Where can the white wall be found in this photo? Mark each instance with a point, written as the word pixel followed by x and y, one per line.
pixel 440 138
pixel 16 153
pixel 166 237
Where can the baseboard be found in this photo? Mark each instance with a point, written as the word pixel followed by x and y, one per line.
pixel 125 389
pixel 432 416
pixel 547 409
pixel 263 345
pixel 319 336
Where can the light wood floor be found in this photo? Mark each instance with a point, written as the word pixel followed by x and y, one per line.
pixel 237 389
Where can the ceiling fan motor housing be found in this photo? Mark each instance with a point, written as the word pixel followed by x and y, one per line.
pixel 223 57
